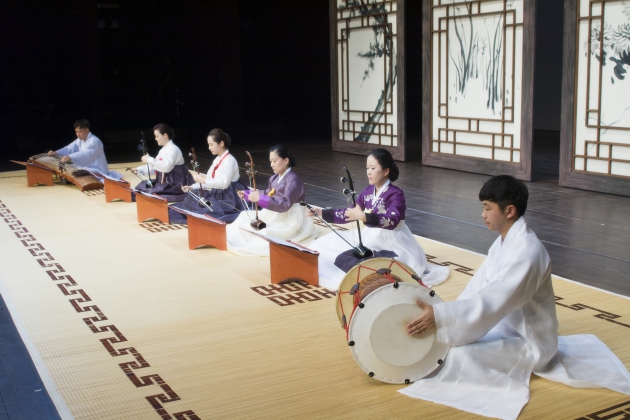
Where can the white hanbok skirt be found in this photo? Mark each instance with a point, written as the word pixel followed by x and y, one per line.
pixel 293 225
pixel 400 240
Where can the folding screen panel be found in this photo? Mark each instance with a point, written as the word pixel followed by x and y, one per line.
pixel 367 76
pixel 595 138
pixel 478 85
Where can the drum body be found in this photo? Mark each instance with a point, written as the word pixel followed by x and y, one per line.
pixel 375 302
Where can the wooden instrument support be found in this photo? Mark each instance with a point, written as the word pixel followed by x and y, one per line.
pixel 36 175
pixel 151 208
pixel 206 231
pixel 286 262
pixel 289 263
pixel 117 190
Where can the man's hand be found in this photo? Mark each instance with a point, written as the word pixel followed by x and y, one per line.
pixel 424 322
pixel 65 159
pixel 52 153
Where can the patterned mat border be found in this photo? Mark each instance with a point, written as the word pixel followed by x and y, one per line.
pixel 67 284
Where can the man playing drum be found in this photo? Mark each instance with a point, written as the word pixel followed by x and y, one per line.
pixel 503 326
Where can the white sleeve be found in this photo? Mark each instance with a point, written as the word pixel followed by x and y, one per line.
pixel 223 175
pixel 71 148
pixel 144 170
pixel 166 160
pixel 473 314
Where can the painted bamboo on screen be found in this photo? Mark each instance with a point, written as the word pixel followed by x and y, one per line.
pixel 478 85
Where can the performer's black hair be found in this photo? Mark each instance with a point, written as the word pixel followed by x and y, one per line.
pixel 283 152
pixel 505 190
pixel 385 159
pixel 165 129
pixel 82 124
pixel 220 136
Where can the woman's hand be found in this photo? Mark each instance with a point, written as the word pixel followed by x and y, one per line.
pixel 145 158
pixel 314 211
pixel 187 188
pixel 424 322
pixel 200 178
pixel 355 213
pixel 134 171
pixel 254 196
pixel 240 193
pixel 52 153
pixel 65 159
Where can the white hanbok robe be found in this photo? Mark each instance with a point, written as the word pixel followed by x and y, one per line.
pixel 503 327
pixel 167 158
pixel 89 154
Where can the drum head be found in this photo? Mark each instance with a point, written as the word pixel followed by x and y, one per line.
pixel 345 301
pixel 378 335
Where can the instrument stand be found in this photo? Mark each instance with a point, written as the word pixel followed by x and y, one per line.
pixel 117 190
pixel 204 230
pixel 36 175
pixel 151 207
pixel 289 260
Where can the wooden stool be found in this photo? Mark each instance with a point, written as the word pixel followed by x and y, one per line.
pixel 151 207
pixel 289 260
pixel 117 190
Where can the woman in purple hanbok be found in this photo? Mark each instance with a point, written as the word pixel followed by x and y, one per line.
pixel 281 211
pixel 381 207
pixel 167 168
pixel 219 187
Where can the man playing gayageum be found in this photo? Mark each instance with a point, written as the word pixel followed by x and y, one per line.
pixel 86 151
pixel 503 326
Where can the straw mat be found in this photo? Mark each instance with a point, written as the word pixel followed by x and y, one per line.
pixel 124 322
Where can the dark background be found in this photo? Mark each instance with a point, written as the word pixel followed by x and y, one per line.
pixel 258 69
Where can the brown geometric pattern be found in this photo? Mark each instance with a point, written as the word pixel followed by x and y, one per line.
pixel 292 292
pixel 92 193
pixel 82 303
pixel 156 227
pixel 606 316
pixel 461 269
pixel 616 412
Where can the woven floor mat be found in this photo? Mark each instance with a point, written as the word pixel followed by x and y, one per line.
pixel 124 322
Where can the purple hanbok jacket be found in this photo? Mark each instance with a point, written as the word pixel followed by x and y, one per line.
pixel 384 212
pixel 288 192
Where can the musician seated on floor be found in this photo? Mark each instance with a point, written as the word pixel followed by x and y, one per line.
pixel 167 172
pixel 381 206
pixel 504 322
pixel 219 187
pixel 280 210
pixel 86 151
